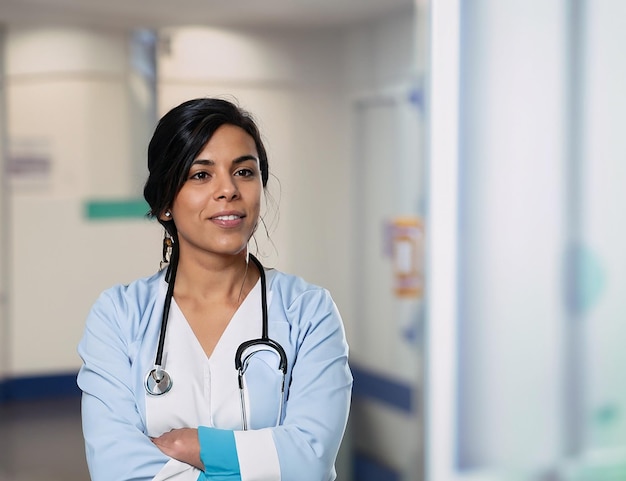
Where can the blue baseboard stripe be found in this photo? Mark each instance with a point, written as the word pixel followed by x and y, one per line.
pixel 370 385
pixel 367 385
pixel 32 388
pixel 368 469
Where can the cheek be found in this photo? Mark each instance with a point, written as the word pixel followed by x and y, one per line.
pixel 256 207
pixel 188 199
pixel 254 199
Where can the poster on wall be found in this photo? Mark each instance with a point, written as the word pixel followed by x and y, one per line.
pixel 406 240
pixel 29 163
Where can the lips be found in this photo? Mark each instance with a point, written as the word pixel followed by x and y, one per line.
pixel 227 219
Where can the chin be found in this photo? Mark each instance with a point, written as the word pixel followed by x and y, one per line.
pixel 234 251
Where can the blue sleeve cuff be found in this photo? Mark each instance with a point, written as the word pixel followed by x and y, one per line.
pixel 218 452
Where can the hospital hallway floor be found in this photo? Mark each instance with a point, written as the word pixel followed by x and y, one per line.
pixel 42 440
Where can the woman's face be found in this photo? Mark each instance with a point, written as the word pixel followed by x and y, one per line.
pixel 217 209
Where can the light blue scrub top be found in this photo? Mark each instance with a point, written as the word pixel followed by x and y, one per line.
pixel 118 349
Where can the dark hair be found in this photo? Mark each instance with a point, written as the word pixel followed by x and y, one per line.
pixel 179 137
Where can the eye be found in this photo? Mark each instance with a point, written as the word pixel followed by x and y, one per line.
pixel 201 175
pixel 245 172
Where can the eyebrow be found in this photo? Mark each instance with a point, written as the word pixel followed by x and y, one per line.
pixel 238 160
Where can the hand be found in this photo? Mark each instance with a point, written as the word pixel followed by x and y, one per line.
pixel 181 444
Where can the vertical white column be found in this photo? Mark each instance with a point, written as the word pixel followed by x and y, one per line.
pixel 441 277
pixel 511 210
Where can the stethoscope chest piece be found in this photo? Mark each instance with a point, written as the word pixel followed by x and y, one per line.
pixel 158 381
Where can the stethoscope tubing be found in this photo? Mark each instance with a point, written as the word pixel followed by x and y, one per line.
pixel 158 381
pixel 170 277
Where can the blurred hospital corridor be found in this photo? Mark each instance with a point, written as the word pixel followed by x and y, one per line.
pixel 451 171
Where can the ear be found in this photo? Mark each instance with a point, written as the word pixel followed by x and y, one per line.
pixel 166 216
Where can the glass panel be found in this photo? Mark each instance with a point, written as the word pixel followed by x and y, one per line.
pixel 601 260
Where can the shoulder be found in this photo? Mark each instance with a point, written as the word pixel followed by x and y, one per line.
pixel 291 287
pixel 298 298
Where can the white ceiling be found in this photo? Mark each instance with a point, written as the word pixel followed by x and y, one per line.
pixel 292 14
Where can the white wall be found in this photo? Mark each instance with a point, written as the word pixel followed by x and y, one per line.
pixel 3 220
pixel 383 68
pixel 68 103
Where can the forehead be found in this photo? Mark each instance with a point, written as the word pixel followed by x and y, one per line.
pixel 228 141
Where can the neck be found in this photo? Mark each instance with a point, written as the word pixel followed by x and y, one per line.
pixel 219 278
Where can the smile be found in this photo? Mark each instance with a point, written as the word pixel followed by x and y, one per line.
pixel 227 217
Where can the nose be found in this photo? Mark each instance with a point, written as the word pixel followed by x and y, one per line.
pixel 226 188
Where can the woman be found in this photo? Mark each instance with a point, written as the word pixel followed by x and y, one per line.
pixel 191 414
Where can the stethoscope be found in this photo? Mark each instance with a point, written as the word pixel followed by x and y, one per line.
pixel 158 381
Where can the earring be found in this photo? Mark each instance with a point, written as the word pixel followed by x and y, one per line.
pixel 168 213
pixel 167 250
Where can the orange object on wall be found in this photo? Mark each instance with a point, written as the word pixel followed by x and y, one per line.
pixel 407 249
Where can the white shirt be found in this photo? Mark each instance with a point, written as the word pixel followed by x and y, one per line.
pixel 205 390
